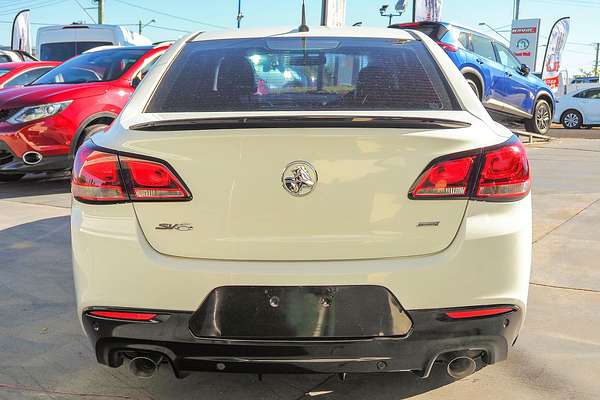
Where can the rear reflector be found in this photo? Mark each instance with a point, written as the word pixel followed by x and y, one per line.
pixel 102 177
pixel 131 316
pixel 482 312
pixel 497 173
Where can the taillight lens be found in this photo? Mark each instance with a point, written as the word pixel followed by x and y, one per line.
pixel 505 173
pixel 498 173
pixel 149 180
pixel 97 177
pixel 479 312
pixel 445 179
pixel 103 177
pixel 448 46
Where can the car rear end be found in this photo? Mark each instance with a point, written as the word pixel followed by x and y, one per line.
pixel 445 35
pixel 367 215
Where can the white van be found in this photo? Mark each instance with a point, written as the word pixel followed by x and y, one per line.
pixel 60 42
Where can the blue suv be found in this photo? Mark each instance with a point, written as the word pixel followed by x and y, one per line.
pixel 504 85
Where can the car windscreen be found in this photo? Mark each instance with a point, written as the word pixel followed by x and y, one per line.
pixel 4 71
pixel 61 51
pixel 286 74
pixel 100 66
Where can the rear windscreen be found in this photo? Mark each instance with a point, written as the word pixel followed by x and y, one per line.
pixel 281 74
pixel 62 51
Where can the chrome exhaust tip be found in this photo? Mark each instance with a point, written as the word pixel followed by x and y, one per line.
pixel 144 367
pixel 32 158
pixel 461 367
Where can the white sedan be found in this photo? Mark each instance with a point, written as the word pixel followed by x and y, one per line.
pixel 365 216
pixel 577 109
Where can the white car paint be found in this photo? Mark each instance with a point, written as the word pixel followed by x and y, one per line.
pixel 586 102
pixel 480 254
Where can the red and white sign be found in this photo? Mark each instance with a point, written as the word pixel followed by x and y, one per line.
pixel 524 40
pixel 556 45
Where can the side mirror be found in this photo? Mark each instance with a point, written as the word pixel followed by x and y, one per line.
pixel 524 70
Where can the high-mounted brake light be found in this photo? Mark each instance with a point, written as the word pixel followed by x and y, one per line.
pixel 480 312
pixel 103 177
pixel 498 173
pixel 122 315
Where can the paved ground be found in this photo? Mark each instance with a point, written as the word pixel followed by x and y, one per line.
pixel 43 353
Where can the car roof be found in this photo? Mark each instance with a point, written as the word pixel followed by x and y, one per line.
pixel 117 48
pixel 27 64
pixel 447 25
pixel 314 31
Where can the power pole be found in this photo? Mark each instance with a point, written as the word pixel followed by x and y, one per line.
pixel 414 11
pixel 239 14
pixel 517 8
pixel 324 13
pixel 140 27
pixel 100 11
pixel 596 63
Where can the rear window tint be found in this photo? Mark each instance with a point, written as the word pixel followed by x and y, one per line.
pixel 276 74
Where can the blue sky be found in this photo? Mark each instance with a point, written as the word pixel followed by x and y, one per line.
pixel 192 15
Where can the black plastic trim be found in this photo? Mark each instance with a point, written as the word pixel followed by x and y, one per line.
pixel 311 121
pixel 434 334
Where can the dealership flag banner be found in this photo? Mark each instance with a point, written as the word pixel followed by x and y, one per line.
pixel 21 38
pixel 556 45
pixel 524 38
pixel 335 14
pixel 428 10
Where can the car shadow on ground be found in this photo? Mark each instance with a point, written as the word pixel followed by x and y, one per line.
pixel 44 349
pixel 36 185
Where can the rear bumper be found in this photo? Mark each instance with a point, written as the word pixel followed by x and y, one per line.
pixel 12 162
pixel 433 334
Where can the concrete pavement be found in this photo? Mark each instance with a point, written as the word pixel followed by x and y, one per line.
pixel 43 353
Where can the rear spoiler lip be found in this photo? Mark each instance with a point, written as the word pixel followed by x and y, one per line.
pixel 299 122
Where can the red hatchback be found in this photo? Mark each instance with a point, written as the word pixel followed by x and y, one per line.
pixel 23 73
pixel 43 124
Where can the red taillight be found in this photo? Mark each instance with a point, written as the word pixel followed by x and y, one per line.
pixel 130 316
pixel 445 179
pixel 96 177
pixel 151 180
pixel 499 173
pixel 481 312
pixel 99 176
pixel 448 46
pixel 505 173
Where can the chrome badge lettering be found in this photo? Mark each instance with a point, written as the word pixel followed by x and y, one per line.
pixel 175 227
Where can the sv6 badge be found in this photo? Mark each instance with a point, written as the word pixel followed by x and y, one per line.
pixel 175 227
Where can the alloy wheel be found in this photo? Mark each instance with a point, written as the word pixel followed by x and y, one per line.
pixel 571 120
pixel 542 117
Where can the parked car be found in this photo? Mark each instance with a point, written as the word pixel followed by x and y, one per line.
pixel 23 73
pixel 61 42
pixel 42 124
pixel 579 109
pixel 501 82
pixel 9 56
pixel 370 218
